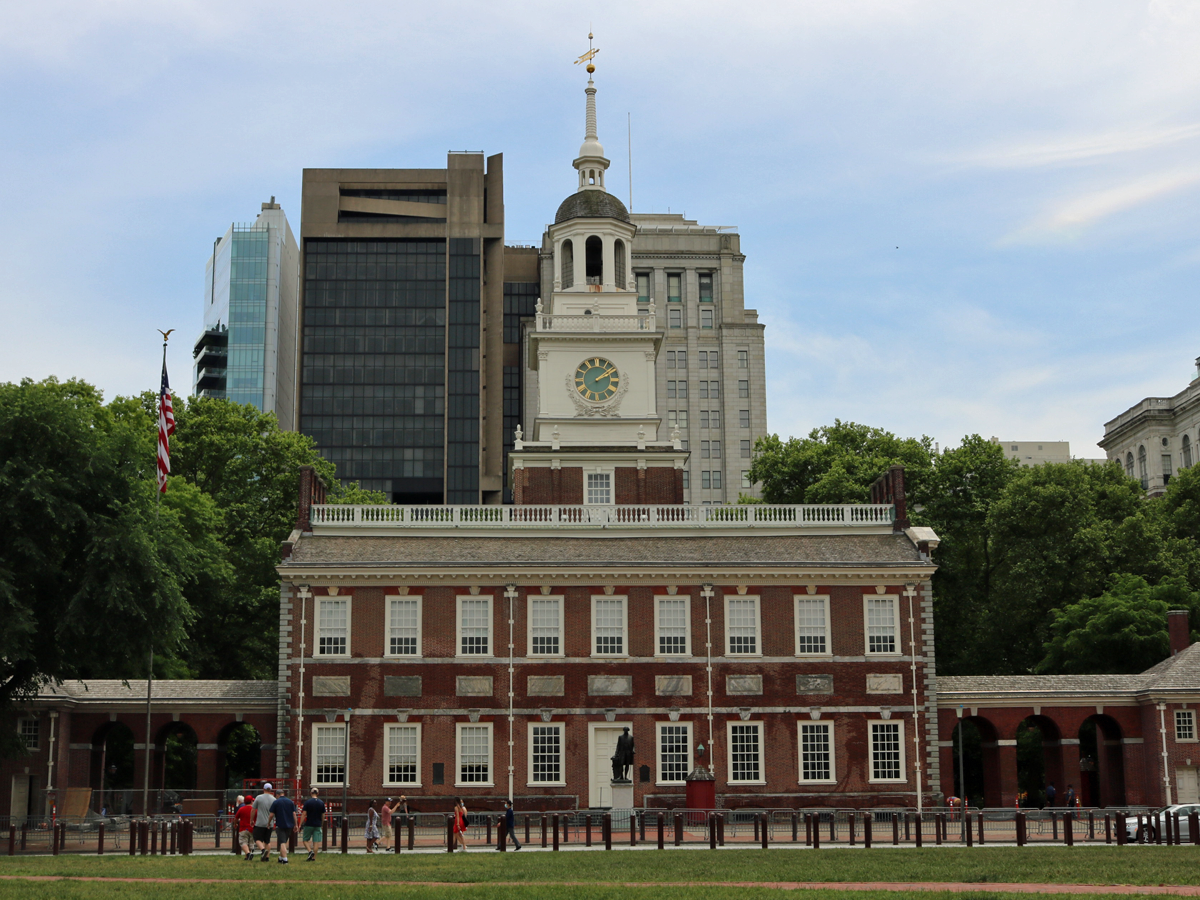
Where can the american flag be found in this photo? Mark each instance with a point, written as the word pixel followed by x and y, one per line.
pixel 166 428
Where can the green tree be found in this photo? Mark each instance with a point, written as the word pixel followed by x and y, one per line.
pixel 836 463
pixel 91 570
pixel 1124 630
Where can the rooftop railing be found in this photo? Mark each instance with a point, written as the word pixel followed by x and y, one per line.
pixel 595 323
pixel 633 517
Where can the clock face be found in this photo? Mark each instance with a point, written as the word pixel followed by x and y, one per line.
pixel 597 379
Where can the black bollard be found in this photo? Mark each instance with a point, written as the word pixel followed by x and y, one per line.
pixel 1069 829
pixel 816 831
pixel 967 822
pixel 606 829
pixel 850 826
pixel 554 823
pixel 712 831
pixel 868 820
pixel 661 829
pixel 917 827
pixel 765 832
pixel 345 834
pixel 678 829
pixel 1020 829
pixel 501 835
pixel 895 831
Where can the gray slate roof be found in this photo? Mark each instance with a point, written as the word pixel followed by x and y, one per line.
pixel 591 205
pixel 113 690
pixel 603 552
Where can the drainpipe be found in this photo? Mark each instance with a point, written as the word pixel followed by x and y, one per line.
pixel 50 760
pixel 706 591
pixel 304 594
pixel 1162 730
pixel 910 591
pixel 510 592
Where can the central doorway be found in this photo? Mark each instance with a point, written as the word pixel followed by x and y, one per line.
pixel 602 744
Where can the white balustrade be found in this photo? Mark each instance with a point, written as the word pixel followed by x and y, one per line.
pixel 665 516
pixel 594 324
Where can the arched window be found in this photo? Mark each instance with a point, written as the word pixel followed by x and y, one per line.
pixel 1142 473
pixel 1187 452
pixel 568 264
pixel 1129 464
pixel 592 177
pixel 619 264
pixel 595 260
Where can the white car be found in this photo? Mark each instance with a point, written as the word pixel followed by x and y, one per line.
pixel 1154 824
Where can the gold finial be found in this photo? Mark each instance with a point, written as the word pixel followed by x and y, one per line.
pixel 587 57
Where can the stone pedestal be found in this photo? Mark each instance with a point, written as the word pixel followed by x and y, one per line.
pixel 622 794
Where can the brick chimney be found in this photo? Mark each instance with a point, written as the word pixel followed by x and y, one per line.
pixel 1177 628
pixel 889 488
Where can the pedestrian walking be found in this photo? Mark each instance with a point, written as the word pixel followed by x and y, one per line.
pixel 283 811
pixel 1050 794
pixel 460 824
pixel 313 820
pixel 385 822
pixel 1069 797
pixel 243 818
pixel 372 832
pixel 262 821
pixel 510 825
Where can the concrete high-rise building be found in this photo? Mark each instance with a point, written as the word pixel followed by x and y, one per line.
pixel 403 360
pixel 247 351
pixel 711 378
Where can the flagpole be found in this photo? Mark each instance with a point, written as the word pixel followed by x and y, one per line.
pixel 159 488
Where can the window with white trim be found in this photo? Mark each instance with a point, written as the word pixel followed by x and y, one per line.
pixel 545 626
pixel 887 751
pixel 608 626
pixel 745 753
pixel 403 755
pixel 329 754
pixel 816 752
pixel 881 623
pixel 599 488
pixel 742 626
pixel 404 626
pixel 333 626
pixel 674 752
pixel 812 625
pixel 30 731
pixel 672 625
pixel 474 626
pixel 474 754
pixel 545 753
pixel 1185 725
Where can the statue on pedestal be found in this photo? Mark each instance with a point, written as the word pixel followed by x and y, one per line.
pixel 622 760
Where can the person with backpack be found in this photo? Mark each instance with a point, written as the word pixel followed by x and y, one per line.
pixel 510 825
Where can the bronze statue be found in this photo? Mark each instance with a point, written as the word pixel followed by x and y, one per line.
pixel 622 760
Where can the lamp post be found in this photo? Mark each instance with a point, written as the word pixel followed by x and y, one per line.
pixel 346 768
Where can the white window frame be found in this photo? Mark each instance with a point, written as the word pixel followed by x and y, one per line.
pixel 658 749
pixel 458 626
pixel 387 650
pixel 824 598
pixel 829 728
pixel 36 723
pixel 1189 718
pixel 758 635
pixel 624 626
pixel 871 779
pixel 491 763
pixel 349 625
pixel 317 728
pixel 687 635
pixel 610 473
pixel 529 651
pixel 762 753
pixel 895 601
pixel 562 755
pixel 387 755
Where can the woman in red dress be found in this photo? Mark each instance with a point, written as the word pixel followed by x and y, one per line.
pixel 460 824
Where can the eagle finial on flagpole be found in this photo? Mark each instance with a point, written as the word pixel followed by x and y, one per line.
pixel 166 334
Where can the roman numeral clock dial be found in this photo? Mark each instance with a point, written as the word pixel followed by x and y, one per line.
pixel 597 379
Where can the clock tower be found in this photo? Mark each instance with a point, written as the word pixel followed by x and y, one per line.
pixel 596 436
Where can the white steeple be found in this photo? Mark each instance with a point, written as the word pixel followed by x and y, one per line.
pixel 591 162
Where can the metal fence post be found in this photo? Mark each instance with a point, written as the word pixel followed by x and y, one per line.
pixel 795 826
pixel 661 829
pixel 1053 825
pixel 345 833
pixel 1120 827
pixel 501 835
pixel 1107 829
pixel 633 831
pixel 554 823
pixel 1194 828
pixel 850 817
pixel 712 831
pixel 1020 822
pixel 895 830
pixel 1069 829
pixel 587 831
pixel 967 829
pixel 868 819
pixel 527 829
pixel 981 828
pixel 721 829
pixel 606 828
pixel 412 837
pixel 543 823
pixel 808 829
pixel 678 829
pixel 816 831
pixel 489 829
pixel 132 839
pixel 917 827
pixel 450 834
pixel 54 838
pixel 12 840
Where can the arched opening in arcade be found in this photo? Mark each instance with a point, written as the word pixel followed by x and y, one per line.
pixel 239 749
pixel 976 762
pixel 1101 762
pixel 112 770
pixel 174 774
pixel 1039 763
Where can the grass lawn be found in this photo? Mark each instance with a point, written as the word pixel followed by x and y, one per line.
pixel 600 874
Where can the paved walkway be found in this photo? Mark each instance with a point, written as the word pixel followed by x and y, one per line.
pixel 991 887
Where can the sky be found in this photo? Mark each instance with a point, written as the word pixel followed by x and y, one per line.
pixel 957 217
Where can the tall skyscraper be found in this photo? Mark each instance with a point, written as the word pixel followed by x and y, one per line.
pixel 247 351
pixel 403 304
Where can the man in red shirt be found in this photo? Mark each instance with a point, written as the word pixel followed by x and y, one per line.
pixel 385 821
pixel 244 816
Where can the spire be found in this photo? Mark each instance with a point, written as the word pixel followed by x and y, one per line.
pixel 591 162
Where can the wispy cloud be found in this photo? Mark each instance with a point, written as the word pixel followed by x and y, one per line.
pixel 1078 148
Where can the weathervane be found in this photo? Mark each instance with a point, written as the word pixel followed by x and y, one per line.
pixel 589 56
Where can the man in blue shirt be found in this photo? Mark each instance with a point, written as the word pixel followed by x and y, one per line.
pixel 283 811
pixel 312 815
pixel 510 825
